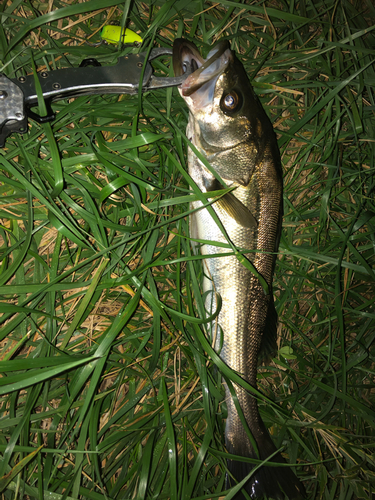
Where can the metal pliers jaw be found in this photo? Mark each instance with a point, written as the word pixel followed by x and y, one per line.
pixel 18 95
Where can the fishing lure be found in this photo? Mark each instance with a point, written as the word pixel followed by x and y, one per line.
pixel 112 34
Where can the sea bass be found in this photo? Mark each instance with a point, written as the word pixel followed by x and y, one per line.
pixel 229 127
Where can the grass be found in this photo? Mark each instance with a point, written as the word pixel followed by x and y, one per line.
pixel 108 387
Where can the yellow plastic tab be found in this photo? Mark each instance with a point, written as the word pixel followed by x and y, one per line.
pixel 111 34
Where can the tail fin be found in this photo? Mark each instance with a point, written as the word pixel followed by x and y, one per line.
pixel 277 483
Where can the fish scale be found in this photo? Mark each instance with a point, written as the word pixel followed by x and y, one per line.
pixel 229 127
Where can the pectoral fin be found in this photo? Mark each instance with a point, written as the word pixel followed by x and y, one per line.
pixel 237 210
pixel 231 205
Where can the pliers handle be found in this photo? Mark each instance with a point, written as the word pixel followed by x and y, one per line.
pixel 18 95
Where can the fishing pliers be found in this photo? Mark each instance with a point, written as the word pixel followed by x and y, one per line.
pixel 18 95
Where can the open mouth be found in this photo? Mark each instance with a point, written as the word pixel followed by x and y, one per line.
pixel 186 55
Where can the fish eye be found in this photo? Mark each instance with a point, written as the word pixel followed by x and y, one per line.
pixel 231 102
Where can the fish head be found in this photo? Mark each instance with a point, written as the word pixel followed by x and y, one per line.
pixel 227 115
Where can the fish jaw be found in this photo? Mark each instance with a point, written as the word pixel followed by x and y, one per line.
pixel 198 88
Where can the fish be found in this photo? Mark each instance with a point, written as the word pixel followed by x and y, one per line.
pixel 237 148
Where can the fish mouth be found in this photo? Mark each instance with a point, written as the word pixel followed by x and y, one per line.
pixel 205 72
